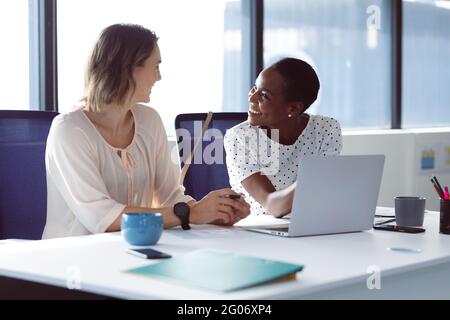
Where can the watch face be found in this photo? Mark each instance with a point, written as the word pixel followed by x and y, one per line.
pixel 181 209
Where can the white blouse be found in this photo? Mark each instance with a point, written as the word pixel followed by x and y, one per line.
pixel 89 182
pixel 249 151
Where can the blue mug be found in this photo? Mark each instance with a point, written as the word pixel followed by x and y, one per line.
pixel 142 229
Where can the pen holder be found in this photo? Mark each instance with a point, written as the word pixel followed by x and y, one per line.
pixel 444 221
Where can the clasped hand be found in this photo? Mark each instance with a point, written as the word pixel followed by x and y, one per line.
pixel 217 208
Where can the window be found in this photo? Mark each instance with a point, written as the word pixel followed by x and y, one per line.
pixel 426 72
pixel 348 42
pixel 201 49
pixel 14 56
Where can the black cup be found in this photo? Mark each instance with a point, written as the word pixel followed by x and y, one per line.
pixel 444 225
pixel 409 211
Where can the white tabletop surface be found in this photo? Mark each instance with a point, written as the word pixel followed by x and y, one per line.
pixel 331 261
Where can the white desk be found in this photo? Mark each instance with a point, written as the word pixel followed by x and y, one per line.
pixel 336 266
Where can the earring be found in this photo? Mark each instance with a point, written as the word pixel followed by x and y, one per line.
pixel 289 115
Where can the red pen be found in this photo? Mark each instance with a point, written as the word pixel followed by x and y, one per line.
pixel 446 194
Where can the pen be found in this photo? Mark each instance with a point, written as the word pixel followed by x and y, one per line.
pixel 233 196
pixel 439 185
pixel 384 222
pixel 446 194
pixel 439 192
pixel 412 250
pixel 436 188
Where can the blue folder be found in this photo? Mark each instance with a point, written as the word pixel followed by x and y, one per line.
pixel 218 270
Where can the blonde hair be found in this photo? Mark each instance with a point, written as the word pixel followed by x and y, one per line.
pixel 109 72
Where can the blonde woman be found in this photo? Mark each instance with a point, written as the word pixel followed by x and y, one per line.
pixel 111 156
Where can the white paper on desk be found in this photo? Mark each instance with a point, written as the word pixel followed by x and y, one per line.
pixel 387 214
pixel 210 233
pixel 202 231
pixel 262 221
pixel 385 211
pixel 388 211
pixel 254 221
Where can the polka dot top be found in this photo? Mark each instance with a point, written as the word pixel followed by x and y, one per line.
pixel 249 151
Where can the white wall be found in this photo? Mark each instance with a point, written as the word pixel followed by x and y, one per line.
pixel 401 170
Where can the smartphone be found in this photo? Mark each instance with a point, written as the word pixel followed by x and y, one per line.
pixel 399 228
pixel 233 196
pixel 148 253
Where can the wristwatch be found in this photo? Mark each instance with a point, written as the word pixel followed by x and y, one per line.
pixel 182 210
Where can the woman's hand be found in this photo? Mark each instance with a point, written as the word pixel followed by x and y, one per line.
pixel 217 208
pixel 277 202
pixel 280 202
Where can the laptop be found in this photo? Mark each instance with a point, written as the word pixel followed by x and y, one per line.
pixel 334 194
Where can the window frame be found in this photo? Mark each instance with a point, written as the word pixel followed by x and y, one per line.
pixel 43 70
pixel 44 41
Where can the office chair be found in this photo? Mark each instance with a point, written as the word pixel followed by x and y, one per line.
pixel 23 190
pixel 208 169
